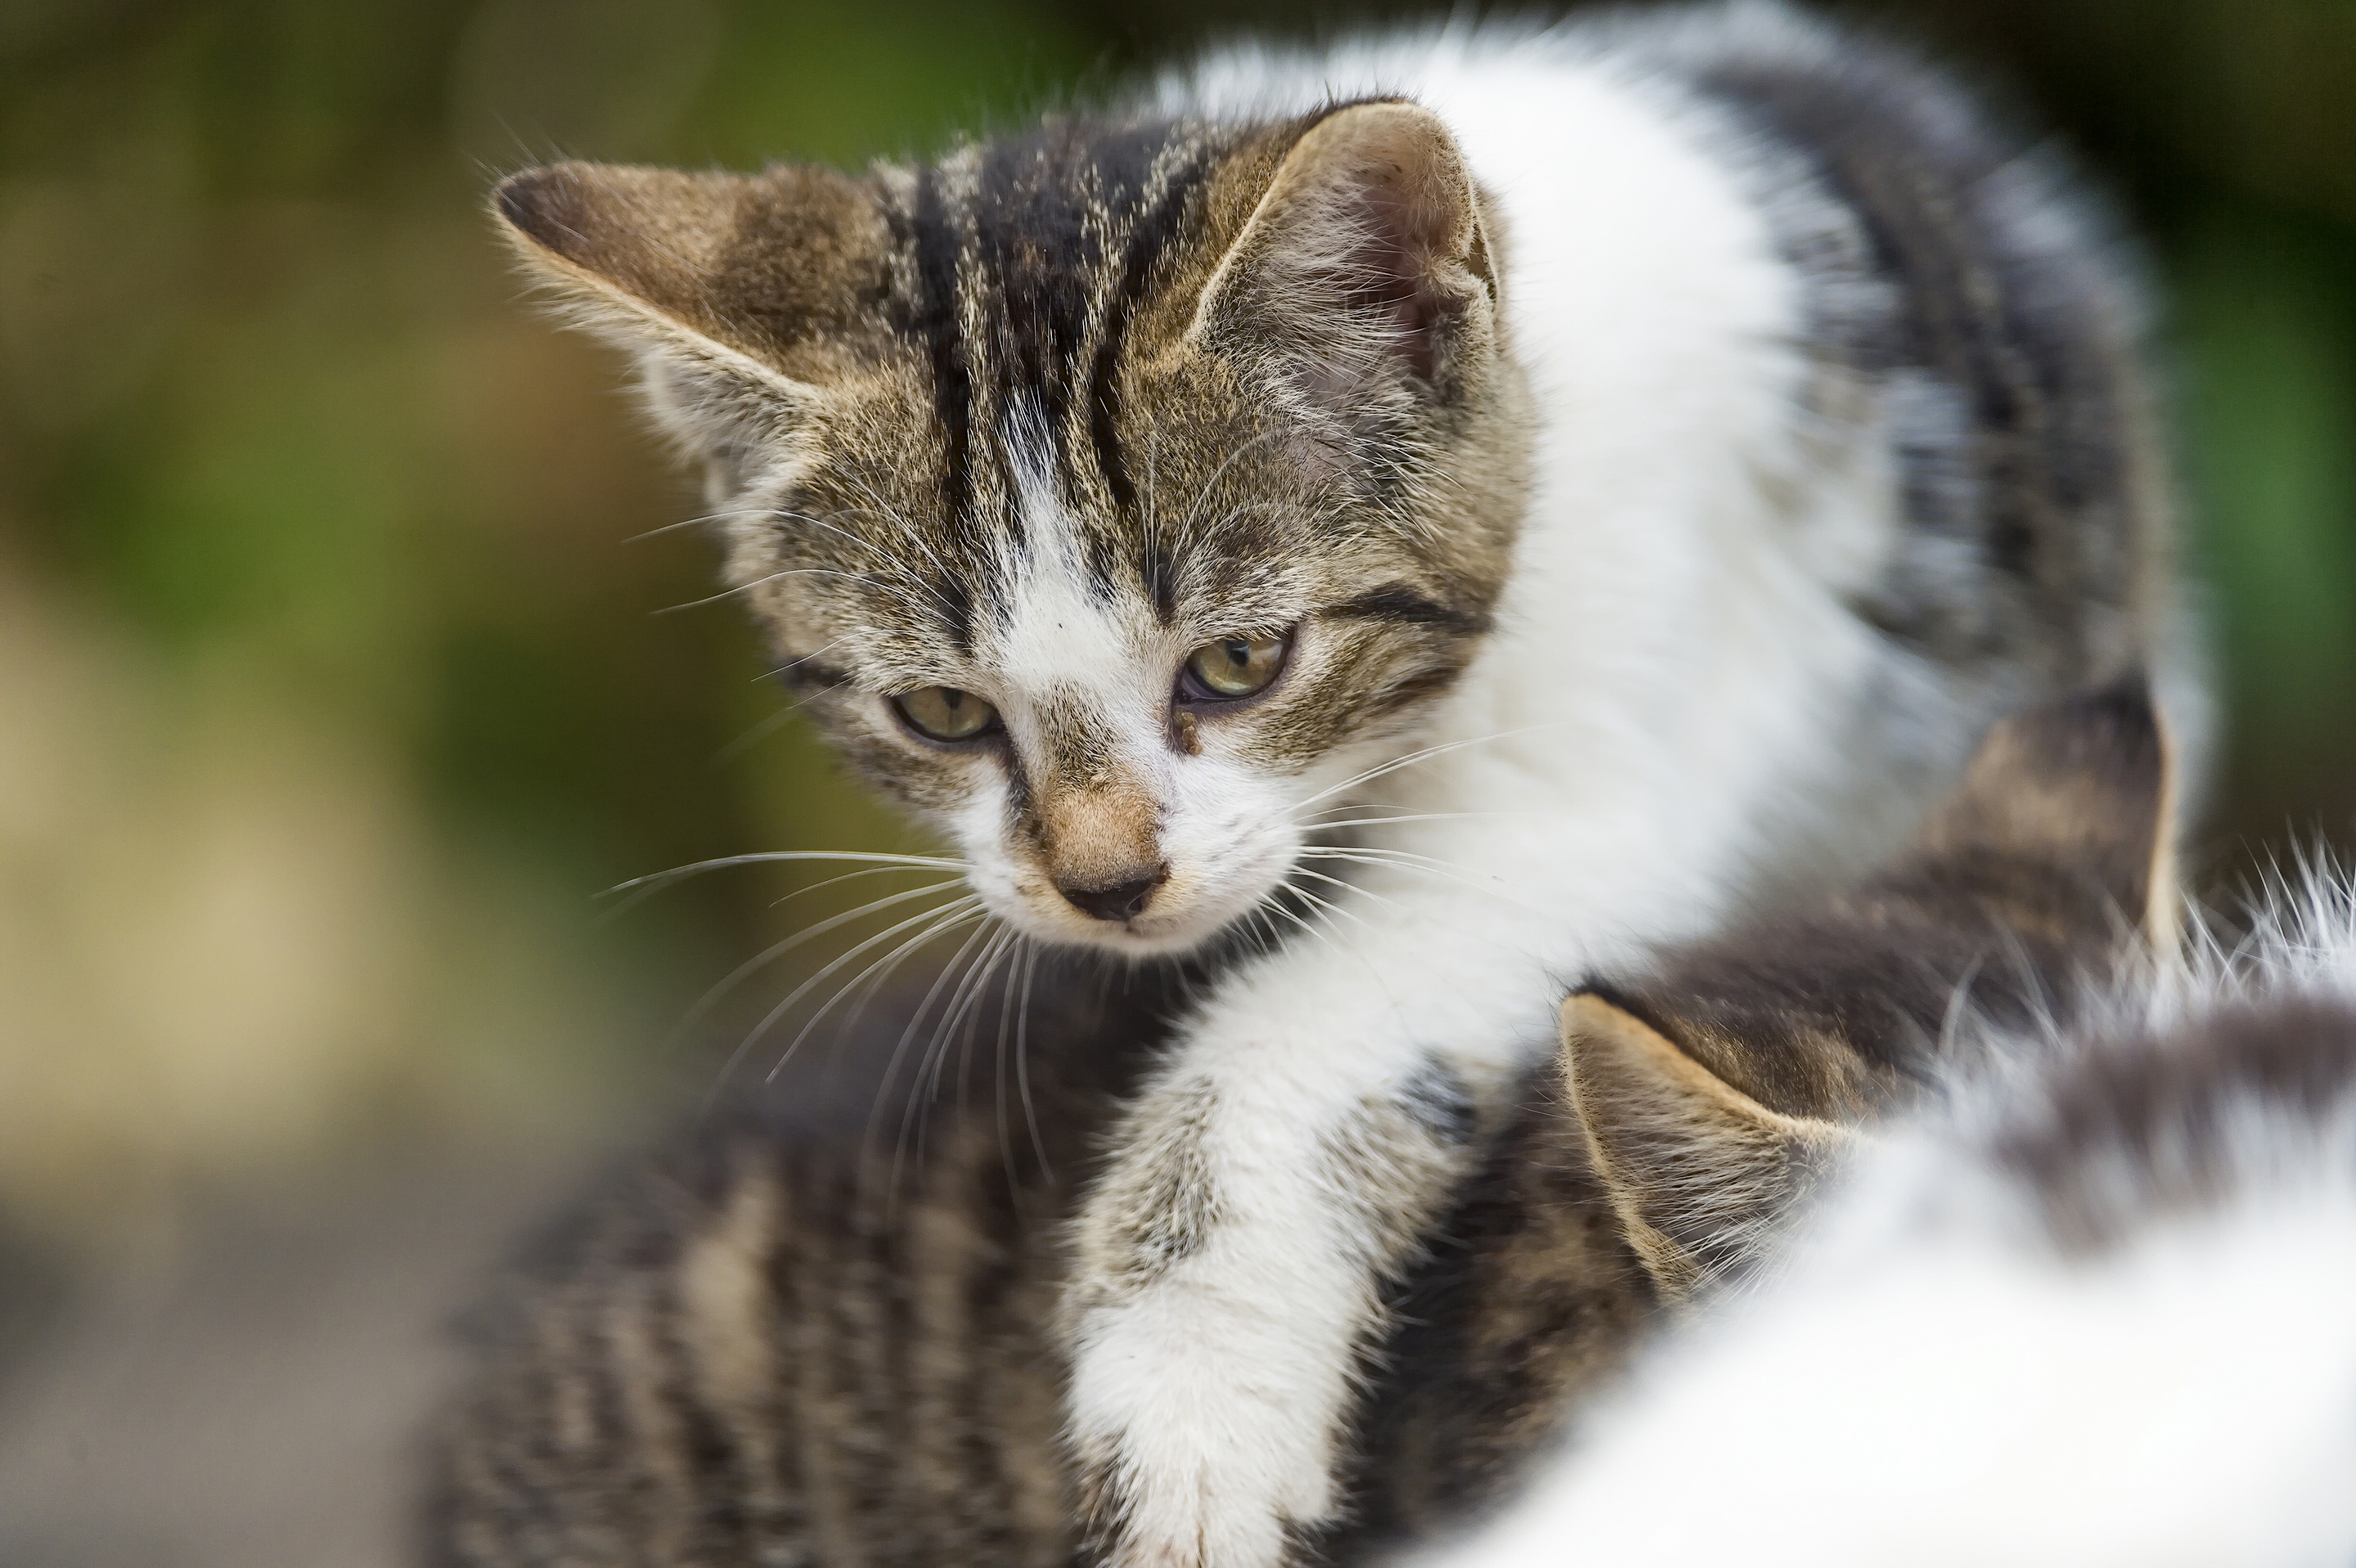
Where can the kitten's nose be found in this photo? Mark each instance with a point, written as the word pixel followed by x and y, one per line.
pixel 1122 900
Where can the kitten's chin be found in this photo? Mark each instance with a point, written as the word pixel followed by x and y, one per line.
pixel 1141 938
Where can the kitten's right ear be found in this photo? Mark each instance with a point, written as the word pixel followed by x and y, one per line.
pixel 1367 272
pixel 1697 1171
pixel 758 279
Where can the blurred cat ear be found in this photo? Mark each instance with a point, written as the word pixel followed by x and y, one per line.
pixel 1696 1169
pixel 733 283
pixel 1367 265
pixel 2086 784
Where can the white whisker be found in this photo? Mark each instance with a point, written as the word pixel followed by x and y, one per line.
pixel 769 954
pixel 1424 755
pixel 957 908
pixel 654 880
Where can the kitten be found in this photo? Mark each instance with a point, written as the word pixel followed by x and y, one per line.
pixel 1484 499
pixel 773 1347
pixel 2092 1310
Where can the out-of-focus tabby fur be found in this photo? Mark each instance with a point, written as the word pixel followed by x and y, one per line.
pixel 774 1349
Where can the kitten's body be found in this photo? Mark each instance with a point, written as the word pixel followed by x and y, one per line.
pixel 1670 442
pixel 2092 1309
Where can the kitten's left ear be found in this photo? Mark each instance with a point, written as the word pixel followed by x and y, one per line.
pixel 1367 267
pixel 742 295
pixel 1696 1169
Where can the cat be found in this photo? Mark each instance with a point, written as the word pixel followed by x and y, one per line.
pixel 2090 1307
pixel 1460 507
pixel 774 1346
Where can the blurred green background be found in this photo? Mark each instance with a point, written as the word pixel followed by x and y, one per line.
pixel 333 685
pixel 332 681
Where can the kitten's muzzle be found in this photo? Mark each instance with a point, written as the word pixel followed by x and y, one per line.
pixel 1123 900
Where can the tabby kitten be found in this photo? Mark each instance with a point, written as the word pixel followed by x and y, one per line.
pixel 773 1348
pixel 1480 498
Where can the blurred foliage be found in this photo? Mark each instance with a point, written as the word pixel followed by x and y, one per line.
pixel 331 682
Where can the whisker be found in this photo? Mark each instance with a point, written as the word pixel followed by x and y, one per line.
pixel 880 970
pixel 1023 1058
pixel 1301 921
pixel 876 871
pixel 1399 859
pixel 961 1000
pixel 1423 755
pixel 735 1057
pixel 824 647
pixel 967 996
pixel 861 578
pixel 998 1075
pixel 899 1051
pixel 953 909
pixel 695 869
pixel 723 515
pixel 1336 882
pixel 1331 908
pixel 760 731
pixel 769 954
pixel 1407 816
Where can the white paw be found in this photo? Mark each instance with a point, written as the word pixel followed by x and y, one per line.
pixel 1203 1429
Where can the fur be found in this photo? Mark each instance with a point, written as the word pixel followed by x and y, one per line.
pixel 2090 1306
pixel 1666 444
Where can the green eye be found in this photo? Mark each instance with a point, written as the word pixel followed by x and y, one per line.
pixel 1234 668
pixel 945 713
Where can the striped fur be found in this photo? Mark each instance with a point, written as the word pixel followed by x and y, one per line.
pixel 1661 446
pixel 779 1341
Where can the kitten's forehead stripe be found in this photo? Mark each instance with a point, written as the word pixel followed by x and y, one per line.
pixel 935 321
pixel 1029 258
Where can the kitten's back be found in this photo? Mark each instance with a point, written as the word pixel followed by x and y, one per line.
pixel 807 1332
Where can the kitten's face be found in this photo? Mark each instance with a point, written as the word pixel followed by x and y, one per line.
pixel 1111 496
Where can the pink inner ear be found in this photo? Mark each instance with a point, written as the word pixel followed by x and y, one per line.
pixel 1388 275
pixel 1376 238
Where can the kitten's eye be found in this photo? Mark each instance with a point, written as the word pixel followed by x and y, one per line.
pixel 945 713
pixel 1234 668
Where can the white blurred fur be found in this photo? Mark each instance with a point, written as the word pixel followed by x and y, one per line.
pixel 1931 1382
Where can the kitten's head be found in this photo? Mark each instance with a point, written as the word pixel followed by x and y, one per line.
pixel 1109 492
pixel 1717 1092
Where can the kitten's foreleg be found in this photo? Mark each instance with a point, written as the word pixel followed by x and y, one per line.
pixel 1228 1277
